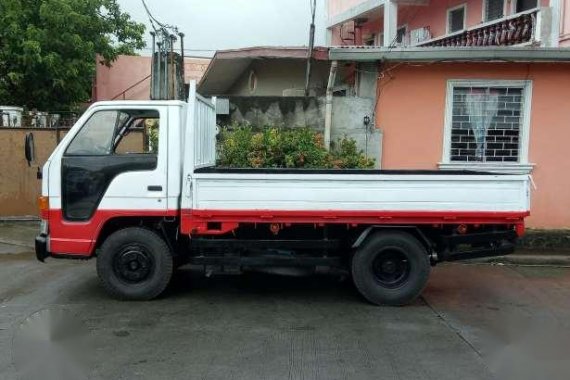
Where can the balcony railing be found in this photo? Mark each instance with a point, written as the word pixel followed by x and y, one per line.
pixel 513 30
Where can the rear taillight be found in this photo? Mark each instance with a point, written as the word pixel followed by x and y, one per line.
pixel 43 205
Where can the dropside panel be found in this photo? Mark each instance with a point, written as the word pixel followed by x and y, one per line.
pixel 230 199
pixel 346 192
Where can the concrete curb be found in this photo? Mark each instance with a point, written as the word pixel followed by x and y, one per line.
pixel 559 260
pixel 17 243
pixel 25 218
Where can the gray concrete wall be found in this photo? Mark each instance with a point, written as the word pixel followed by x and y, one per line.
pixel 348 117
pixel 276 110
pixel 348 120
pixel 281 74
pixel 367 79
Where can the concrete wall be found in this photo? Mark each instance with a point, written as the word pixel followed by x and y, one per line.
pixel 348 116
pixel 411 110
pixel 348 120
pixel 281 74
pixel 276 110
pixel 127 70
pixel 19 187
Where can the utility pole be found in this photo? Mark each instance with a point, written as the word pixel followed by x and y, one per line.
pixel 311 46
pixel 167 69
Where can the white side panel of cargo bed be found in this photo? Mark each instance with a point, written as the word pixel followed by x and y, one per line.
pixel 199 141
pixel 470 193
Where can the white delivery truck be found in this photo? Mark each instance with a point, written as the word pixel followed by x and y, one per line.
pixel 143 213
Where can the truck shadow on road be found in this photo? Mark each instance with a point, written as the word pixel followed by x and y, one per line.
pixel 325 288
pixel 189 284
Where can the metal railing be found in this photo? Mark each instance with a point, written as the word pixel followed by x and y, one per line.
pixel 512 30
pixel 38 119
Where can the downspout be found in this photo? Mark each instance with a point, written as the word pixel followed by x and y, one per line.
pixel 182 91
pixel 329 104
pixel 152 66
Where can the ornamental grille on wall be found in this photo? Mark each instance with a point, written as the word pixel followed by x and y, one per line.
pixel 486 124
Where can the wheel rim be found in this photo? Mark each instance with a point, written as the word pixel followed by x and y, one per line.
pixel 133 264
pixel 391 268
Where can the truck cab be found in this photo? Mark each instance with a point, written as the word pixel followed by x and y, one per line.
pixel 134 185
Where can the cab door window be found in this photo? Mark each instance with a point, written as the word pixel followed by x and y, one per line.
pixel 96 136
pixel 139 135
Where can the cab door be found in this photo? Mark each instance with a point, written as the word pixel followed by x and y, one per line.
pixel 116 164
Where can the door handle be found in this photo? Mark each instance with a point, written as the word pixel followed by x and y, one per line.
pixel 154 188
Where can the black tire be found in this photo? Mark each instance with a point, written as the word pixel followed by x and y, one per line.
pixel 135 264
pixel 390 268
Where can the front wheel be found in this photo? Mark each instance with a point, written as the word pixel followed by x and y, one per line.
pixel 135 264
pixel 390 268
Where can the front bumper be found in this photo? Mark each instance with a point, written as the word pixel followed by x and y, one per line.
pixel 42 247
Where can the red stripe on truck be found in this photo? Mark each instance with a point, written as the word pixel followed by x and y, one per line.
pixel 197 221
pixel 79 238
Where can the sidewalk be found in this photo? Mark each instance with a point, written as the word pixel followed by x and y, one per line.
pixel 17 237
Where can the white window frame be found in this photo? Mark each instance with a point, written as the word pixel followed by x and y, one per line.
pixel 449 10
pixel 484 15
pixel 521 167
pixel 514 7
pixel 380 39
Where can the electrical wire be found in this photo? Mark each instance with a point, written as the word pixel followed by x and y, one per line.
pixel 163 26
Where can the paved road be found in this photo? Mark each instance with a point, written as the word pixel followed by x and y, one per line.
pixel 268 327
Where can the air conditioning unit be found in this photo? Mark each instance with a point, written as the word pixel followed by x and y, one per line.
pixel 222 106
pixel 419 35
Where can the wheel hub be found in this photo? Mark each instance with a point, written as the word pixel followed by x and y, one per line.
pixel 133 264
pixel 391 268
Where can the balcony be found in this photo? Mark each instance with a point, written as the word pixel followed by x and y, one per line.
pixel 518 29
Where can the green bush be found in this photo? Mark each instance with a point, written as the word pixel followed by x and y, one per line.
pixel 242 146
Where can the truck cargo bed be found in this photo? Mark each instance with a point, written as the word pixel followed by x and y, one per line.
pixel 359 190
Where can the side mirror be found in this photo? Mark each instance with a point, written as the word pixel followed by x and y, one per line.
pixel 30 148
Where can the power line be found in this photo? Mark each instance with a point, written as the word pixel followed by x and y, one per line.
pixel 165 27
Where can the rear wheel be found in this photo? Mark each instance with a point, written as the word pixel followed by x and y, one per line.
pixel 390 268
pixel 135 264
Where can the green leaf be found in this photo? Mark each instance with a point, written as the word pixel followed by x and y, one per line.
pixel 48 49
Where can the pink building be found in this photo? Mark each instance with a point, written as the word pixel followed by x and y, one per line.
pixel 474 85
pixel 129 77
pixel 448 22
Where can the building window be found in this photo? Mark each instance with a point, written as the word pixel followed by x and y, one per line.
pixel 456 19
pixel 401 35
pixel 252 81
pixel 370 40
pixel 494 9
pixel 487 122
pixel 525 5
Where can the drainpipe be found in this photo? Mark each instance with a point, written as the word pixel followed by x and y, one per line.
pixel 329 104
pixel 182 91
pixel 172 85
pixel 152 68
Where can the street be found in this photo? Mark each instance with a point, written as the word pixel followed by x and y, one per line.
pixel 270 327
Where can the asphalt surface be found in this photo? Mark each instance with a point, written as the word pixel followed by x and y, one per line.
pixel 472 322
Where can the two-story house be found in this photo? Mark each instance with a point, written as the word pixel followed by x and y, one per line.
pixel 448 23
pixel 465 84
